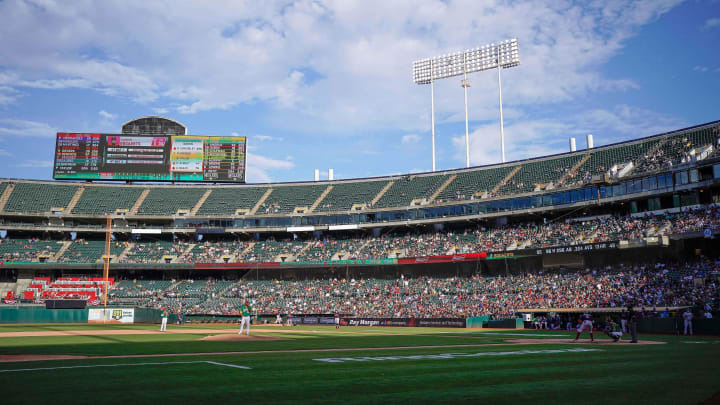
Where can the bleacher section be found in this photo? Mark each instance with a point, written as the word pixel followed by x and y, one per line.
pixel 284 199
pixel 153 252
pixel 213 252
pixel 81 251
pixel 409 188
pixel 269 250
pixel 88 288
pixel 167 201
pixel 344 195
pixel 227 200
pixel 540 173
pixel 27 250
pixel 469 185
pixel 39 197
pixel 101 200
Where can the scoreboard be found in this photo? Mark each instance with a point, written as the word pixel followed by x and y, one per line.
pixel 83 156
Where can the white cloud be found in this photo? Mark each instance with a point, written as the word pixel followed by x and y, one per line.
pixel 5 153
pixel 106 115
pixel 532 138
pixel 13 127
pixel 36 163
pixel 410 139
pixel 711 23
pixel 701 68
pixel 160 110
pixel 265 138
pixel 326 65
pixel 258 167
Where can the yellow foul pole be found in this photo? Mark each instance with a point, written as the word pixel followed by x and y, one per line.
pixel 106 265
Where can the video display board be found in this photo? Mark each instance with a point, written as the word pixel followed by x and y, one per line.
pixel 83 156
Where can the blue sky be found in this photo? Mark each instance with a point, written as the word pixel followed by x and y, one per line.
pixel 328 84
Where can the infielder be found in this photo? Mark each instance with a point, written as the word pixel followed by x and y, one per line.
pixel 163 324
pixel 245 310
pixel 586 324
pixel 687 317
pixel 337 321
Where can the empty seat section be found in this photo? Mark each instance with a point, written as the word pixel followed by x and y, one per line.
pixel 167 201
pixel 81 251
pixel 284 199
pixel 101 200
pixel 409 188
pixel 535 173
pixel 344 195
pixel 226 201
pixel 34 197
pixel 469 185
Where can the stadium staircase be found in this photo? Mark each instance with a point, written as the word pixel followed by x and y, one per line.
pixel 300 252
pixel 65 245
pixel 124 253
pixel 574 169
pixel 222 292
pixel 75 199
pixel 505 180
pixel 6 196
pixel 360 249
pixel 200 202
pixel 138 203
pixel 186 252
pixel 22 285
pixel 441 188
pixel 249 247
pixel 381 193
pixel 319 199
pixel 260 202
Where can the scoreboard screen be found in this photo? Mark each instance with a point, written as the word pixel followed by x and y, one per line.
pixel 83 156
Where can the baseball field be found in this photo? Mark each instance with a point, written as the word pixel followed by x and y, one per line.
pixel 81 363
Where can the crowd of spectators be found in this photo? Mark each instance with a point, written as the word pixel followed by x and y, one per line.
pixel 649 286
pixel 527 235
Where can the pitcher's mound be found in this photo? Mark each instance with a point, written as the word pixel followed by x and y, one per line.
pixel 234 337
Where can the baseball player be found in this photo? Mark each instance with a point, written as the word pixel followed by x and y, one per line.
pixel 687 317
pixel 586 324
pixel 246 310
pixel 163 324
pixel 337 321
pixel 614 331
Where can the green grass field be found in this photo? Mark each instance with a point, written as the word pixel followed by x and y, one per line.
pixel 367 365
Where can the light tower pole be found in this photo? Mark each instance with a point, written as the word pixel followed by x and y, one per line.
pixel 426 71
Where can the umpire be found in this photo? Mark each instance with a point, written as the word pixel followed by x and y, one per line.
pixel 632 323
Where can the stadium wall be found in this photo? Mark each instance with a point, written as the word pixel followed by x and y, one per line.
pixel 40 314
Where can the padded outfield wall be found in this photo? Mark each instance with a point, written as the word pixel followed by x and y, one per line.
pixel 40 314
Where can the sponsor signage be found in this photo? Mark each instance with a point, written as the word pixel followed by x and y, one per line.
pixel 327 321
pixel 464 257
pixel 575 248
pixel 111 315
pixel 406 322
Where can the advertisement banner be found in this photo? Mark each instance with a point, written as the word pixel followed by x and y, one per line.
pixel 111 315
pixel 465 257
pixel 406 322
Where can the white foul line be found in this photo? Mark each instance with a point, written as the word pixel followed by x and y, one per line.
pixel 451 355
pixel 228 365
pixel 124 365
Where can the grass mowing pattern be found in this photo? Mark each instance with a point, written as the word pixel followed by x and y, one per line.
pixel 674 373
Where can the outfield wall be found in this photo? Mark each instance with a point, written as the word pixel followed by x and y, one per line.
pixel 40 314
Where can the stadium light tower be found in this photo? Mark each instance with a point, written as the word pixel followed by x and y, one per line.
pixel 426 71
